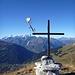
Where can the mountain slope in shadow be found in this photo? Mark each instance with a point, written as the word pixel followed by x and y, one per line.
pixel 13 54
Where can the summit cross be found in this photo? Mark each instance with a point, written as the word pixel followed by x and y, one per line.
pixel 48 33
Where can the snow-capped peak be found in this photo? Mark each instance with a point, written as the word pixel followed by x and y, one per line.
pixel 18 36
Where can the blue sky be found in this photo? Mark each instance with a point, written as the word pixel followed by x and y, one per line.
pixel 13 13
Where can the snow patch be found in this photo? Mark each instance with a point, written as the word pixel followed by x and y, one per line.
pixel 28 43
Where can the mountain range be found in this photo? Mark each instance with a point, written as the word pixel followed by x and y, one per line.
pixel 37 44
pixel 20 49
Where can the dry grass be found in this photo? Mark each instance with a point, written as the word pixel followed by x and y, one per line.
pixel 67 68
pixel 27 70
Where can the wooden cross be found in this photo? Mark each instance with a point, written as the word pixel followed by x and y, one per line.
pixel 48 52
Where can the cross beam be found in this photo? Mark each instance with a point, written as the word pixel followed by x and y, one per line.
pixel 48 33
pixel 48 52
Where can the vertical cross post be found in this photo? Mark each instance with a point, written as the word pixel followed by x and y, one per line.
pixel 48 52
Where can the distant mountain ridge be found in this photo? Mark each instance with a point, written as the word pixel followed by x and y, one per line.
pixel 66 40
pixel 33 43
pixel 37 44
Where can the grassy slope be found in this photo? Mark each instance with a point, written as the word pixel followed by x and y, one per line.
pixel 66 55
